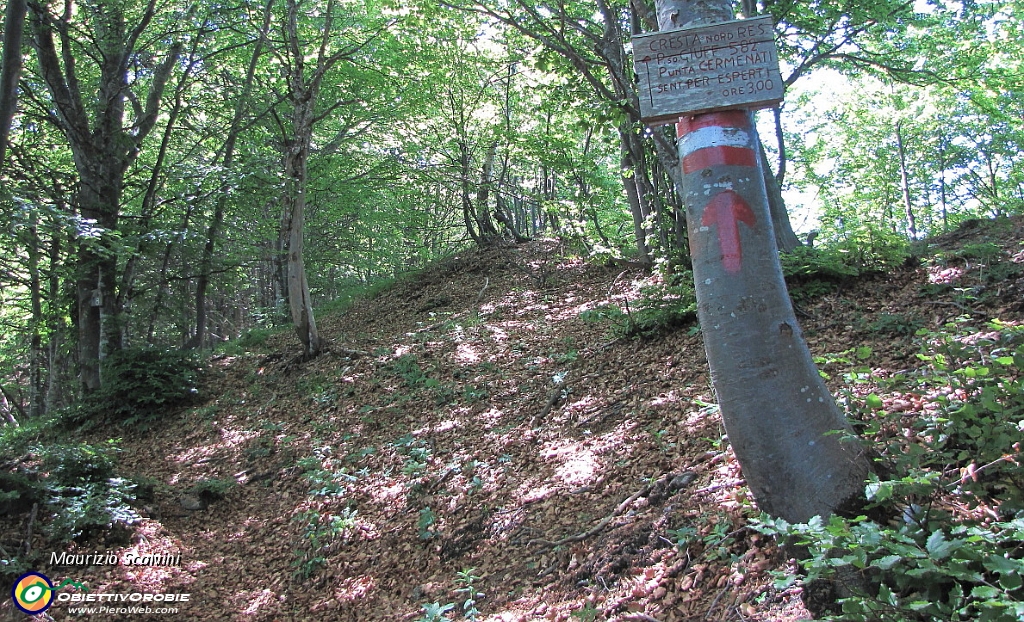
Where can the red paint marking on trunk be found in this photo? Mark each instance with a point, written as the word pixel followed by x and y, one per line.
pixel 727 118
pixel 718 156
pixel 726 211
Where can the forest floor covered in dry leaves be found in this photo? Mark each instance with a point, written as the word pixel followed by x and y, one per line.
pixel 480 435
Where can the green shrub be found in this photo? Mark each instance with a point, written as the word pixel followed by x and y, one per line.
pixel 138 383
pixel 212 489
pixel 255 338
pixel 812 272
pixel 81 511
pixel 913 570
pixel 73 486
pixel 983 251
pixel 320 535
pixel 864 246
pixel 924 555
pixel 895 324
pixel 806 262
pixel 661 308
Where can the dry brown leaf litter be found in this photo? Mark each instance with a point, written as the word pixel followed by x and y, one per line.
pixel 441 393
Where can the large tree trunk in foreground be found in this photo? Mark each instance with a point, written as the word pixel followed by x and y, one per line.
pixel 779 415
pixel 777 410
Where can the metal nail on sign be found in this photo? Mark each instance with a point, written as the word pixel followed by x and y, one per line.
pixel 703 68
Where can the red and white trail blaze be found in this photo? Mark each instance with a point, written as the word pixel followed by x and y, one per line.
pixel 726 211
pixel 713 140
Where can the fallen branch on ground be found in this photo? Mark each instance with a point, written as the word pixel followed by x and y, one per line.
pixel 480 296
pixel 619 509
pixel 557 393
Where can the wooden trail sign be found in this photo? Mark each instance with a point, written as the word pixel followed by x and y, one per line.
pixel 703 68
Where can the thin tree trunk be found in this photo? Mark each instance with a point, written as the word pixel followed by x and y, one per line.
pixel 299 302
pixel 908 206
pixel 56 359
pixel 942 183
pixel 303 94
pixel 993 184
pixel 220 206
pixel 481 214
pixel 629 183
pixel 780 141
pixel 785 238
pixel 161 292
pixel 36 353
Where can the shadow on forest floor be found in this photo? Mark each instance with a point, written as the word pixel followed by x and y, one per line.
pixel 482 436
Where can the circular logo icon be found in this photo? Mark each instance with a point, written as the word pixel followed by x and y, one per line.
pixel 32 593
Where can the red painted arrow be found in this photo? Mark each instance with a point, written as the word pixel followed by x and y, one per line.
pixel 726 211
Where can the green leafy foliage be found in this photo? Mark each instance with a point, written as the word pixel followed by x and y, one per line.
pixel 895 324
pixel 812 272
pixel 74 487
pixel 913 570
pixel 320 534
pixel 84 494
pixel 661 308
pixel 252 339
pixel 324 482
pixel 977 378
pixel 467 592
pixel 587 613
pixel 138 384
pixel 426 523
pixel 434 612
pixel 805 262
pixel 921 556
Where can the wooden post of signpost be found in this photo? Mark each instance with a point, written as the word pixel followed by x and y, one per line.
pixel 707 75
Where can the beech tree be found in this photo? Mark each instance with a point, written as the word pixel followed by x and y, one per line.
pixel 788 434
pixel 330 45
pixel 91 82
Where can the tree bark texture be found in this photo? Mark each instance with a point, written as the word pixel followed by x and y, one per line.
pixel 14 23
pixel 299 302
pixel 777 411
pixel 779 415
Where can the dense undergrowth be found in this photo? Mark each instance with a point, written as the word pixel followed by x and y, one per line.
pixel 60 491
pixel 71 487
pixel 945 540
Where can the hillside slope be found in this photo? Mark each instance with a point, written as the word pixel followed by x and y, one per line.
pixel 486 418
